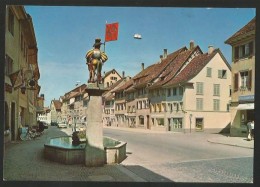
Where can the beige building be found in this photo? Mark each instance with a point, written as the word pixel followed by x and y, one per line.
pixel 21 72
pixel 111 77
pixel 109 106
pixel 55 110
pixel 243 78
pixel 187 90
pixel 74 105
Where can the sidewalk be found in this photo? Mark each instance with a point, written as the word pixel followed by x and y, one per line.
pixel 24 161
pixel 233 141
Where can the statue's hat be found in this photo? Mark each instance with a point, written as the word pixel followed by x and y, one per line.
pixel 97 42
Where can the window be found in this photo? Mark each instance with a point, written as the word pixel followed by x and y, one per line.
pixel 177 123
pixel 199 88
pixel 246 79
pixel 169 92
pixel 222 74
pixel 180 90
pixel 174 91
pixel 141 120
pixel 243 51
pixel 216 91
pixel 158 92
pixel 199 124
pixel 199 104
pixel 11 22
pixel 209 70
pixel 160 121
pixel 8 65
pixel 216 104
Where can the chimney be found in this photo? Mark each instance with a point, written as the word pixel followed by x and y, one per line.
pixel 164 53
pixel 142 66
pixel 161 58
pixel 191 44
pixel 210 49
pixel 123 75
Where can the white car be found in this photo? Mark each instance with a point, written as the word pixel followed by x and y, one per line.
pixel 62 125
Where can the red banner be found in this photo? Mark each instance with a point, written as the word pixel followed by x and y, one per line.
pixel 111 32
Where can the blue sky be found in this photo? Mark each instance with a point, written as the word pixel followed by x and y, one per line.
pixel 65 33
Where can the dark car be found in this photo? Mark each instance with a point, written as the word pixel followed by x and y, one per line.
pixel 45 125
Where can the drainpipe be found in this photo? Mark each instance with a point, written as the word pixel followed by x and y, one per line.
pixel 190 122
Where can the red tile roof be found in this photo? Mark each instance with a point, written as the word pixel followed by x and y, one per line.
pixel 57 104
pixel 174 67
pixel 153 71
pixel 192 69
pixel 250 26
pixel 125 86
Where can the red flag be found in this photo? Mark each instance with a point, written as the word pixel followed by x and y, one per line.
pixel 111 32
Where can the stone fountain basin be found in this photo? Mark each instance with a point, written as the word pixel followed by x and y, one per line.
pixel 60 149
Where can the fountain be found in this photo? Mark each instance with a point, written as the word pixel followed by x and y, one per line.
pixel 96 150
pixel 61 149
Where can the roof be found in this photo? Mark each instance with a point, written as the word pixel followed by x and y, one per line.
pixel 174 67
pixel 192 69
pixel 126 85
pixel 249 28
pixel 57 104
pixel 153 71
pixel 109 72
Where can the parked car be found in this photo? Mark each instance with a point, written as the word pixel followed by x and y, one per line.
pixel 62 125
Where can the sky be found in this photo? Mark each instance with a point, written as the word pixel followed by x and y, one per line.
pixel 65 33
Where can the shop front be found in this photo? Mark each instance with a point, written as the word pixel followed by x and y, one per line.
pixel 241 114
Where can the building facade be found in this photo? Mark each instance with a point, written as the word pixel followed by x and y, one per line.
pixel 55 110
pixel 111 77
pixel 243 78
pixel 21 72
pixel 74 106
pixel 186 91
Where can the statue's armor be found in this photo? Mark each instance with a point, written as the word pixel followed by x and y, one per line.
pixel 96 54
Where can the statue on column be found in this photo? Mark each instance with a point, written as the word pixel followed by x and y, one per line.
pixel 95 58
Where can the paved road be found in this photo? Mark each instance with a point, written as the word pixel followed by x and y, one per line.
pixel 184 157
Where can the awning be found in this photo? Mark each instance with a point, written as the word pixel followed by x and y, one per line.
pixel 246 106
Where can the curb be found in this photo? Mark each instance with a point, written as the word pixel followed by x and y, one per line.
pixel 130 174
pixel 235 145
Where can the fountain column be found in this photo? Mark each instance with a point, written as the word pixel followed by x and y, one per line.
pixel 94 151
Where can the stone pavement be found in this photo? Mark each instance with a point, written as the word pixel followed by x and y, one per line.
pixel 24 161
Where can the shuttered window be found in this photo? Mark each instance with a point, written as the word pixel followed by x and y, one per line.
pixel 249 86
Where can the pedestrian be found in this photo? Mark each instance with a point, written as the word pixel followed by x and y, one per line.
pixel 252 130
pixel 249 130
